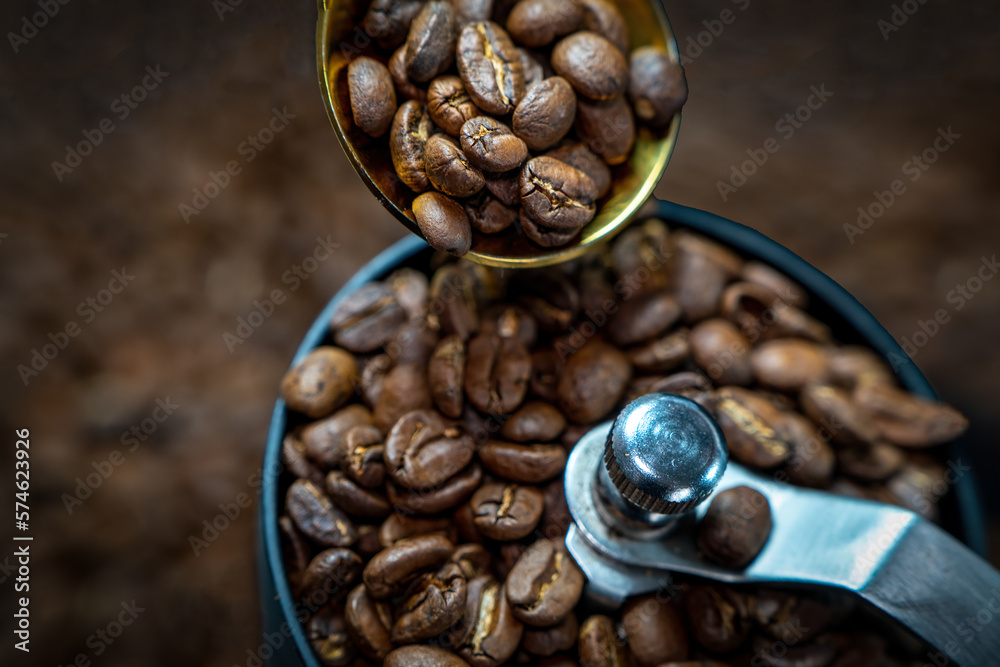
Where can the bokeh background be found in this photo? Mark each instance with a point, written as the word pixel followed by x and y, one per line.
pixel 225 67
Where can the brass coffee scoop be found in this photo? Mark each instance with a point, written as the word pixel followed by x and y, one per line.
pixel 339 40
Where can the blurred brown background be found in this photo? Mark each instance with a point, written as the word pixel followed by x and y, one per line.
pixel 224 67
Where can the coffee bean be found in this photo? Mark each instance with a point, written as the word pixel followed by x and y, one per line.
pixel 751 425
pixel 908 420
pixel 760 314
pixel 445 497
pixel 917 485
pixel 327 634
pixel 449 105
pixel 594 67
pixel 536 23
pixel 321 382
pixel 443 223
pixel 324 439
pixel 853 365
pixel 776 612
pixel 363 451
pixel 735 527
pixel 722 352
pixel 329 575
pixel 655 630
pixel 416 655
pixel 702 271
pixel 473 559
pixel 545 114
pixel 579 156
pixel 393 568
pixel 506 511
pixel 505 186
pixel 546 366
pixel 369 623
pixel 534 421
pixel 446 375
pixel 471 11
pixel 643 317
pixel 367 319
pixel 811 461
pixel 294 456
pixel 355 499
pixel 401 526
pixel 545 584
pixel 529 464
pixel 491 145
pixel 490 67
pixel 846 422
pixel 657 86
pixel 295 553
pixel 388 21
pixel 453 301
pixel 496 377
pixel 556 196
pixel 315 515
pixel 663 354
pixel 607 128
pixel 550 297
pixel 789 364
pixel 373 378
pixel 817 654
pixel 368 543
pixel 422 451
pixel 405 389
pixel 430 44
pixel 411 128
pixel 411 289
pixel 548 641
pixel 430 605
pixel 555 517
pixel 599 644
pixel 776 282
pixel 406 88
pixel 532 68
pixel 449 168
pixel 489 634
pixel 603 17
pixel 488 215
pixel 719 617
pixel 592 382
pixel 874 463
pixel 373 97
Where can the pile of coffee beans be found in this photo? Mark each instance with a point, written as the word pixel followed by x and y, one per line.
pixel 424 520
pixel 507 115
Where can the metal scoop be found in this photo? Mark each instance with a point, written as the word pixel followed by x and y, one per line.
pixel 339 40
pixel 636 487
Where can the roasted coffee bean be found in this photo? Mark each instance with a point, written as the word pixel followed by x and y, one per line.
pixel 546 113
pixel 417 655
pixel 496 376
pixel 735 527
pixel 431 605
pixel 404 390
pixel 465 524
pixel 592 382
pixel 401 526
pixel 841 418
pixel 555 517
pixel 488 632
pixel 603 17
pixel 490 67
pixel 329 575
pixel 363 453
pixel 918 485
pixel 643 317
pixel 373 96
pixel 608 128
pixel 752 426
pixel 722 352
pixel 908 420
pixel 488 215
pixel 556 195
pixel 373 374
pixel 546 366
pixel 533 70
pixel 789 364
pixel 471 11
pixel 776 282
pixel 422 451
pixel 449 168
pixel 355 499
pixel 321 382
pixel 816 654
pixel 446 375
pixel 473 559
pixel 316 516
pixel 406 88
pixel 719 617
pixel 445 497
pixel 544 236
pixel 393 568
pixel 323 439
pixel 641 255
pixel 854 365
pixel 550 297
pixel 367 319
pixel 657 86
pixel 702 270
pixel 443 223
pixel 534 421
pixel 491 145
pixel 506 511
pixel 369 623
pixel 759 313
pixel 430 44
pixel 294 456
pixel 327 634
pixel 511 321
pixel 545 584
pixel 368 543
pixel 655 630
pixel 599 645
pixel 453 301
pixel 549 641
pixel 411 289
pixel 872 463
pixel 536 23
pixel 296 554
pixel 579 156
pixel 528 464
pixel 449 105
pixel 777 612
pixel 663 354
pixel 411 128
pixel 506 186
pixel 388 21
pixel 593 66
pixel 811 461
